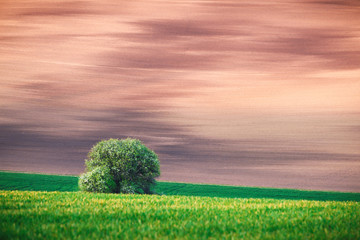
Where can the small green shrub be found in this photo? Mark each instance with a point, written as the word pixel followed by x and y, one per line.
pixel 97 180
pixel 120 166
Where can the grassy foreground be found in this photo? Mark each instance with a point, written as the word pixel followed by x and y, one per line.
pixel 40 182
pixel 70 215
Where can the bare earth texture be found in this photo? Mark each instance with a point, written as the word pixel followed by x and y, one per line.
pixel 257 93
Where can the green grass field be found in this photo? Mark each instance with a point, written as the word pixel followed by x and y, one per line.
pixel 41 182
pixel 53 209
pixel 77 215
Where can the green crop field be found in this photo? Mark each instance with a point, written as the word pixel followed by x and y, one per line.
pixel 41 182
pixel 53 209
pixel 70 215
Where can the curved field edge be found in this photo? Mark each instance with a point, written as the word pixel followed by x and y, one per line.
pixel 70 215
pixel 42 182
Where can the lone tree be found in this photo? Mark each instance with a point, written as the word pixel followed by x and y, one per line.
pixel 120 166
